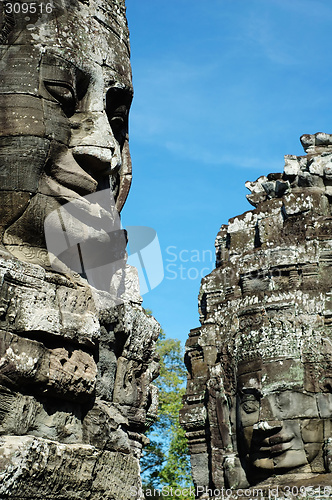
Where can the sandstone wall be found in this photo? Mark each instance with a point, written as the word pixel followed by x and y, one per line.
pixel 77 351
pixel 258 405
pixel 75 387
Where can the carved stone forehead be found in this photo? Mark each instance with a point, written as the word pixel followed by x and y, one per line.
pixel 268 343
pixel 90 37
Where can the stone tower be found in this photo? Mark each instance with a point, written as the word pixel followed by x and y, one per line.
pixel 258 406
pixel 77 351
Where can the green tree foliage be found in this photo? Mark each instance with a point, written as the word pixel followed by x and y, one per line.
pixel 165 462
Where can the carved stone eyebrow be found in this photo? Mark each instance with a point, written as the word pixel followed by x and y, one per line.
pixel 82 83
pixel 55 69
pixel 117 104
pixel 117 96
pixel 251 390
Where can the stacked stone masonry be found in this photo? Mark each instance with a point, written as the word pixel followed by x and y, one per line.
pixel 258 406
pixel 77 351
pixel 75 388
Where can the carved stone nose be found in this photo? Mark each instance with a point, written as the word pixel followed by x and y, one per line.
pixel 97 159
pixel 267 426
pixel 92 129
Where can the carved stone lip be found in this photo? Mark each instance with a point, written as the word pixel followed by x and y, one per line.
pixel 72 189
pixel 100 158
pixel 275 445
pixel 81 171
pixel 67 189
pixel 277 439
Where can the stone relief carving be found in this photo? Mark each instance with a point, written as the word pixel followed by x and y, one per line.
pixel 258 407
pixel 76 365
pixel 65 98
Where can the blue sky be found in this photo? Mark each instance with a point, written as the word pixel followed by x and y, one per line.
pixel 223 90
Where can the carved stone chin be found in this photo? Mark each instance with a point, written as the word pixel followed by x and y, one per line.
pixel 260 365
pixel 77 351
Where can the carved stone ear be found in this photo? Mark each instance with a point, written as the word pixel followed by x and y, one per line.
pixel 125 177
pixel 234 472
pixel 328 455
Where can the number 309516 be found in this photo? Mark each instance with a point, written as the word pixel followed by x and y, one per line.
pixel 28 8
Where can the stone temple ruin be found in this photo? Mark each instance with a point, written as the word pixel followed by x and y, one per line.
pixel 258 406
pixel 77 351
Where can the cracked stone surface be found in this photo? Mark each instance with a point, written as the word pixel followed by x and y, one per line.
pixel 77 351
pixel 258 406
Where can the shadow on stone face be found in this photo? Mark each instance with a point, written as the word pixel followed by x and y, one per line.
pixel 77 351
pixel 259 403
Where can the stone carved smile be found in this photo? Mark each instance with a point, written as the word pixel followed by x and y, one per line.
pixel 77 351
pixel 275 445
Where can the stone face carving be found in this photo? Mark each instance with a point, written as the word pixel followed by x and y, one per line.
pixel 258 407
pixel 76 365
pixel 65 95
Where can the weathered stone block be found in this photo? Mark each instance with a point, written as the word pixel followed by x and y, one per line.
pixel 21 162
pixel 38 468
pixel 268 387
pixel 77 351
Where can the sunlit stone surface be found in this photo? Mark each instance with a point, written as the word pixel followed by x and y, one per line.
pixel 258 407
pixel 77 351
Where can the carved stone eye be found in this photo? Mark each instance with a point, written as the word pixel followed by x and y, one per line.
pixel 64 94
pixel 117 107
pixel 119 121
pixel 250 403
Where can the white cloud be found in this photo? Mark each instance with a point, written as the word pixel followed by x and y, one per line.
pixel 214 158
pixel 321 9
